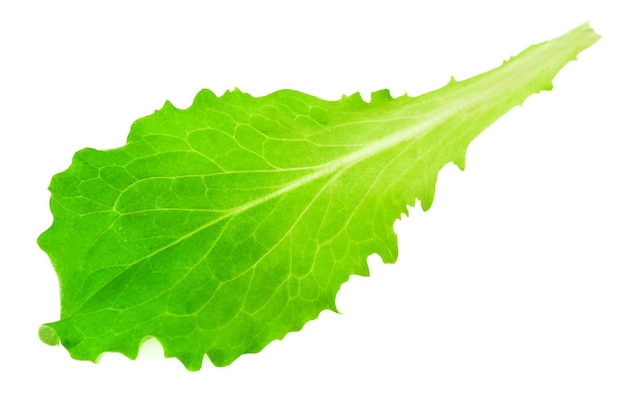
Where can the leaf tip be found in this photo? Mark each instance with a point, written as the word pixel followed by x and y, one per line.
pixel 41 240
pixel 236 92
pixel 381 96
pixel 204 95
pixel 427 202
pixel 460 162
pixel 168 106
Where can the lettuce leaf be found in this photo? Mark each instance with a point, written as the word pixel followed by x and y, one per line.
pixel 221 227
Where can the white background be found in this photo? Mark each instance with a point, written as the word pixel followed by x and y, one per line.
pixel 509 296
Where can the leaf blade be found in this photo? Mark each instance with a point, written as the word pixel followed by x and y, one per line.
pixel 222 227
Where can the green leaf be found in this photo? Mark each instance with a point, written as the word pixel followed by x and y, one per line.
pixel 219 228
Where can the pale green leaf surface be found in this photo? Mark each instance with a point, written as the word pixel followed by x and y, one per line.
pixel 221 227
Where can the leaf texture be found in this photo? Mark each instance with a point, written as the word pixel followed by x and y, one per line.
pixel 221 227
